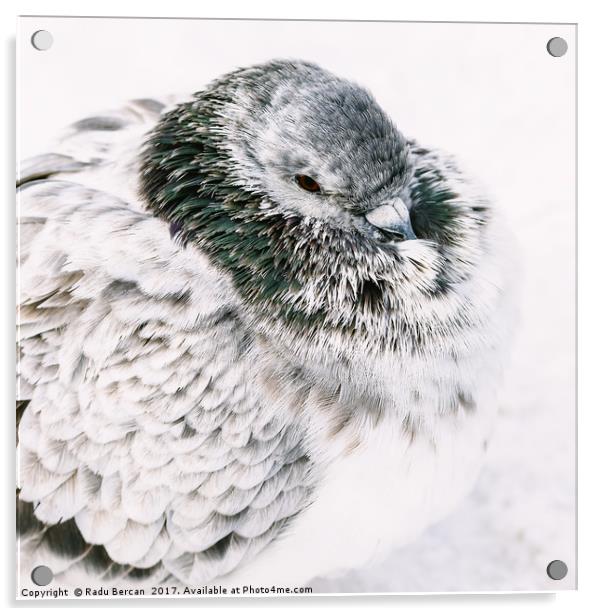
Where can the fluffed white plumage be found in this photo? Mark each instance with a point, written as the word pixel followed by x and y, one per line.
pixel 167 437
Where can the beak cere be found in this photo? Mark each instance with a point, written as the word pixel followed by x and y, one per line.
pixel 394 219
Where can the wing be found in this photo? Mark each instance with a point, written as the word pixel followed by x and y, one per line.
pixel 149 445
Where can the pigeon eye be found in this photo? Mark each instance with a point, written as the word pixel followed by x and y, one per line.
pixel 307 183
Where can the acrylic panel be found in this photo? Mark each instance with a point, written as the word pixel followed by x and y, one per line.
pixel 296 307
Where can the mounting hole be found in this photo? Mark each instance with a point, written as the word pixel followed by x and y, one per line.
pixel 557 46
pixel 42 40
pixel 557 569
pixel 42 575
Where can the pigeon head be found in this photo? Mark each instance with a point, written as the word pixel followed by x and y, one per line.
pixel 328 220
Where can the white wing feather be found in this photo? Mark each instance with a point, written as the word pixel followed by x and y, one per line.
pixel 146 431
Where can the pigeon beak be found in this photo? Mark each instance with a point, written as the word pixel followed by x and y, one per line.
pixel 394 219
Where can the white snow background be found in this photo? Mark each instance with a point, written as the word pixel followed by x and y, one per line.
pixel 491 95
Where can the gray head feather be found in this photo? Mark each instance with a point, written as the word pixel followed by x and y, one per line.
pixel 278 172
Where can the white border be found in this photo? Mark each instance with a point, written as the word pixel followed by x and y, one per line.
pixel 583 12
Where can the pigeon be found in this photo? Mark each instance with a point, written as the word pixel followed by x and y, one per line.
pixel 261 336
